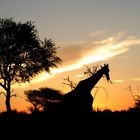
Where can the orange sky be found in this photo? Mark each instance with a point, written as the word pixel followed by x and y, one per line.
pixel 89 32
pixel 113 50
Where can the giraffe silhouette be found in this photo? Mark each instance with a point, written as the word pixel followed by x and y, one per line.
pixel 80 98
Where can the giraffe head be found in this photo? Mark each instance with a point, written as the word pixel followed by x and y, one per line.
pixel 105 70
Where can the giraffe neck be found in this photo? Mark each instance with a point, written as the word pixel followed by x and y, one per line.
pixel 88 84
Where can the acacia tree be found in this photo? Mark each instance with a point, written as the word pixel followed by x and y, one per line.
pixel 45 99
pixel 22 54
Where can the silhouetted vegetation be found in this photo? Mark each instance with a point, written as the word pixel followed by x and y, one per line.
pixel 22 55
pixel 44 99
pixel 78 100
pixel 38 123
pixel 69 83
pixel 136 98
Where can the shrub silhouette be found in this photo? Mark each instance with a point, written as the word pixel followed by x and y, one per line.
pixel 44 99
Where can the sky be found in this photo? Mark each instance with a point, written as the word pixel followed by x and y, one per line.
pixel 87 32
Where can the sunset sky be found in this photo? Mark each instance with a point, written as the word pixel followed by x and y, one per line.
pixel 87 32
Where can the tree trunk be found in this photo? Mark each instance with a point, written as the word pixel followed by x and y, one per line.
pixel 8 105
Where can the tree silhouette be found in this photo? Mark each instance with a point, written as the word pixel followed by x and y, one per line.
pixel 136 98
pixel 69 83
pixel 44 99
pixel 22 54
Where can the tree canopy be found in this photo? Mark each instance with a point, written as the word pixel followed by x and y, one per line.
pixel 44 99
pixel 23 54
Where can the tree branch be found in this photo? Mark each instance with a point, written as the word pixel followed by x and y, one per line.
pixel 3 93
pixel 2 85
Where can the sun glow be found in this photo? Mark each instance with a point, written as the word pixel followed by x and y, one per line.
pixel 106 49
pixel 117 81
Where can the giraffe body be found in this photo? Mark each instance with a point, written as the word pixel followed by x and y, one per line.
pixel 80 99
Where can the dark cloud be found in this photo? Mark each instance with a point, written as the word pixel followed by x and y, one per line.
pixel 72 52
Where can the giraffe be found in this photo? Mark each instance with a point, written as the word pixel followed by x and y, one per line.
pixel 80 98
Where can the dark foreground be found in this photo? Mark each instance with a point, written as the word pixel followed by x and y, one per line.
pixel 69 126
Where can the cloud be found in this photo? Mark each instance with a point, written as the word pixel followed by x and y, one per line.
pixel 105 49
pixel 135 79
pixel 75 55
pixel 97 33
pixel 92 51
pixel 118 81
pixel 71 52
pixel 79 75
